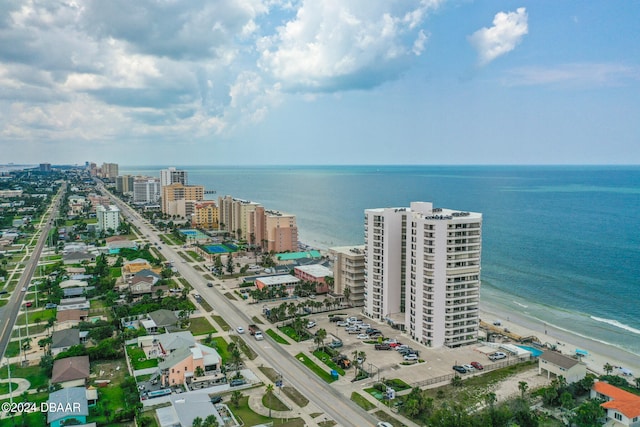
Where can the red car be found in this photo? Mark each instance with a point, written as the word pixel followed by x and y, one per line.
pixel 477 365
pixel 28 304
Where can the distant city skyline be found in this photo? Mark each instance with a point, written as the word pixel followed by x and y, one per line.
pixel 304 82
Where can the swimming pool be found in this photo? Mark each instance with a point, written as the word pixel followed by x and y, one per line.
pixel 535 352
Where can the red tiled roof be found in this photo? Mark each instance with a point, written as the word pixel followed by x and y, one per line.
pixel 622 401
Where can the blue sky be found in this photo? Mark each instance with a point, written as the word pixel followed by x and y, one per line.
pixel 320 82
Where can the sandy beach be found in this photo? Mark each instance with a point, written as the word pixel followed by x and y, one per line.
pixel 598 353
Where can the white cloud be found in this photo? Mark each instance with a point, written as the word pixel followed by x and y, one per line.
pixel 573 75
pixel 505 34
pixel 333 45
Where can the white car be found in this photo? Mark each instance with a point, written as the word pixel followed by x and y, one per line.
pixel 311 324
pixel 410 357
pixel 363 336
pixel 342 323
pixel 240 330
pixel 384 424
pixel 469 368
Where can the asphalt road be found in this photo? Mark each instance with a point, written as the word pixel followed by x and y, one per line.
pixel 332 402
pixel 9 313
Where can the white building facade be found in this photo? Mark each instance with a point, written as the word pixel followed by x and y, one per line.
pixel 423 269
pixel 172 176
pixel 108 217
pixel 146 190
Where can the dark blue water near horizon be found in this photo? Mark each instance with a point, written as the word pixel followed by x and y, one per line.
pixel 560 243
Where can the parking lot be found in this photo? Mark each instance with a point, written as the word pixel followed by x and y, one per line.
pixel 388 363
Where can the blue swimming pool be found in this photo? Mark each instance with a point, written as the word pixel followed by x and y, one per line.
pixel 535 352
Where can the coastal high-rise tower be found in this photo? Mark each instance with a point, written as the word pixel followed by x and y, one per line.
pixel 172 176
pixel 423 271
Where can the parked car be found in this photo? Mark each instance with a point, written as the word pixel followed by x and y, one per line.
pixel 28 304
pixel 469 368
pixel 460 369
pixel 477 365
pixel 411 357
pixel 216 399
pixel 497 355
pixel 50 305
pixel 342 323
pixel 311 324
pixel 336 319
pixel 335 344
pixel 363 337
pixel 384 424
pixel 235 383
pixel 364 326
pixel 372 330
pixel 240 330
pixel 401 347
pixel 394 344
pixel 382 346
pixel 210 285
pixel 351 329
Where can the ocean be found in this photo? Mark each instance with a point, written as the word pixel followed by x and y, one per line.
pixel 561 244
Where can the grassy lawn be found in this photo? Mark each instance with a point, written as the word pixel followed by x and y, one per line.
pixel 185 284
pixel 205 306
pixel 33 374
pixel 3 302
pixel 326 359
pixel 4 388
pixel 388 418
pixel 43 315
pixel 139 359
pixel 230 296
pixel 257 320
pixel 13 349
pixel 362 402
pixel 36 418
pixel 33 329
pixel 270 400
pixel 291 392
pixel 244 347
pixel 201 326
pixel 115 272
pixel 185 256
pixel 195 255
pixel 208 276
pixel 146 377
pixel 397 384
pixel 223 323
pixel 315 368
pixel 113 395
pixel 221 347
pixel 156 253
pixel 250 418
pixel 288 331
pixel 277 338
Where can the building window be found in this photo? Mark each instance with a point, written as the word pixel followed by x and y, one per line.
pixel 618 416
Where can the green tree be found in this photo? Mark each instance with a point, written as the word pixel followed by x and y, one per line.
pixel 347 294
pixel 319 338
pixel 269 390
pixel 566 400
pixel 229 264
pixel 210 421
pixel 199 372
pixel 523 387
pixel 197 422
pixel 608 368
pixel 589 414
pixel 235 398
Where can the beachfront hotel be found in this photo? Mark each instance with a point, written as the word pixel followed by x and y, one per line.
pixel 423 271
pixel 180 200
pixel 173 176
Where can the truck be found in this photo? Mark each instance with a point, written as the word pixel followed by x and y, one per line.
pixel 255 331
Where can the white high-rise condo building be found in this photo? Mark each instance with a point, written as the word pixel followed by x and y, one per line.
pixel 423 271
pixel 172 176
pixel 146 189
pixel 108 217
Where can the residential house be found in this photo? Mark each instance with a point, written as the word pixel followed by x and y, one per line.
pixel 163 318
pixel 70 318
pixel 77 258
pixel 170 342
pixel 185 408
pixel 67 407
pixel 73 303
pixel 70 371
pixel 623 408
pixel 554 363
pixel 115 243
pixel 179 366
pixel 61 340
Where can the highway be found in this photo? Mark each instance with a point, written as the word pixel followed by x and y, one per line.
pixel 9 313
pixel 333 403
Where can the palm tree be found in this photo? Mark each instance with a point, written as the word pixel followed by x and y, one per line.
pixel 358 360
pixel 210 421
pixel 347 294
pixel 608 368
pixel 269 389
pixel 197 422
pixel 235 398
pixel 523 387
pixel 236 357
pixel 199 372
pixel 320 336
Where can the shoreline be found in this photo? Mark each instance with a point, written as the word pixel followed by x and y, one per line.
pixel 567 342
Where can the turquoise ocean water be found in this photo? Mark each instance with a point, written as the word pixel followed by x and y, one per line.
pixel 560 243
